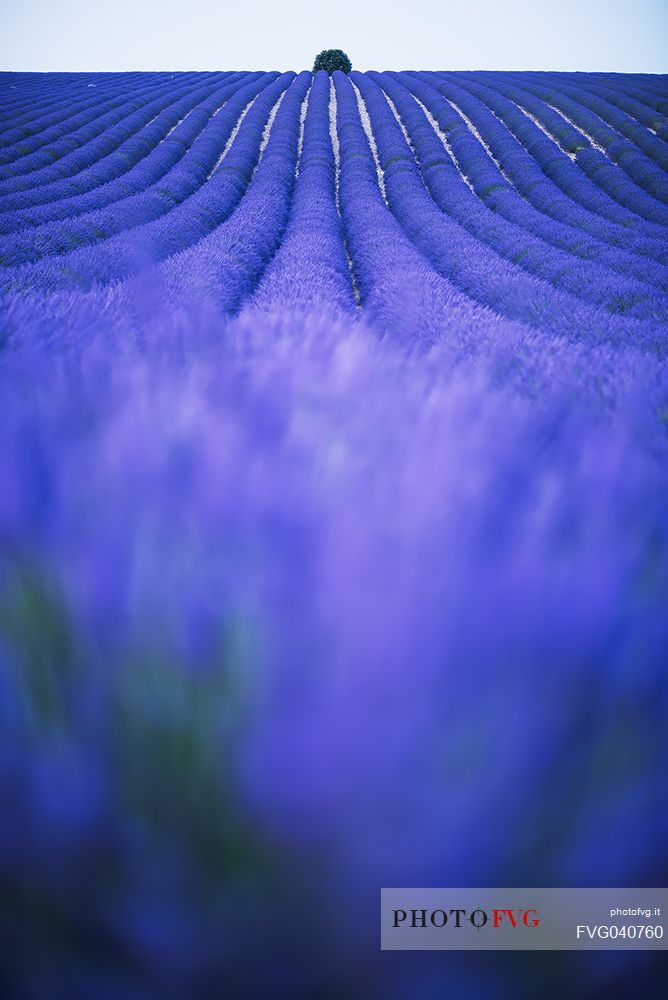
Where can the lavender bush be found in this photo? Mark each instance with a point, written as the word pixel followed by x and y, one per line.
pixel 333 522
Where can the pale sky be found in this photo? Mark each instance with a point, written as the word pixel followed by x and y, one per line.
pixel 615 35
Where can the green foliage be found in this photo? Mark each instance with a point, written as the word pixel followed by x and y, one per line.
pixel 331 59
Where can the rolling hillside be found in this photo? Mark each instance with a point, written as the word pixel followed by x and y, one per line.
pixel 333 519
pixel 540 197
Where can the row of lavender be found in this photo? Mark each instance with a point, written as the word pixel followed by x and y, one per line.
pixel 333 520
pixel 512 184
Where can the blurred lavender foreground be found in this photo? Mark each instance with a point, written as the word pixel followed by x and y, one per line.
pixel 333 524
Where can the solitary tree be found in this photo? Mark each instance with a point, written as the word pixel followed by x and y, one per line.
pixel 331 59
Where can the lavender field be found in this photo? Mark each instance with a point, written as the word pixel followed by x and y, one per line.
pixel 333 521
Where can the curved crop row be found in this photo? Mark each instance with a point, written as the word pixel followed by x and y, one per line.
pixel 172 170
pixel 400 289
pixel 576 128
pixel 571 177
pixel 119 125
pixel 529 158
pixel 25 138
pixel 486 177
pixel 202 194
pixel 509 225
pixel 557 162
pixel 310 270
pixel 27 115
pixel 479 178
pixel 62 198
pixel 51 144
pixel 474 267
pixel 333 443
pixel 226 265
pixel 626 115
pixel 175 98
